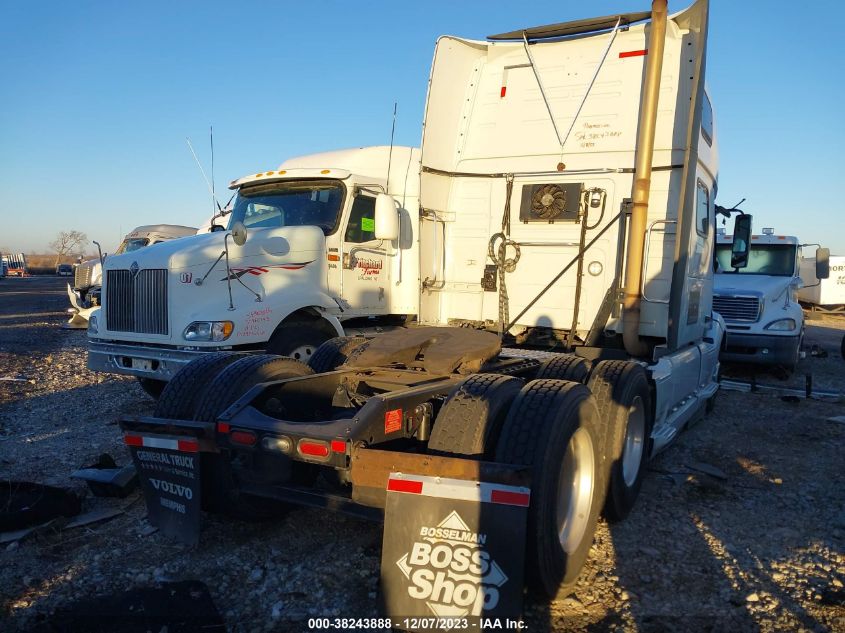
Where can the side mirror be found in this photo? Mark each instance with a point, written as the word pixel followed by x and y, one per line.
pixel 239 233
pixel 387 218
pixel 822 263
pixel 741 242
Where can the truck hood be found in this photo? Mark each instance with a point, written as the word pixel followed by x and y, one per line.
pixel 204 249
pixel 764 286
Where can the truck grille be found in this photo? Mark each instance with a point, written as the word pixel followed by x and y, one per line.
pixel 737 308
pixel 137 303
pixel 82 277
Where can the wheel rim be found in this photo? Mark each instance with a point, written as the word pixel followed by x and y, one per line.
pixel 303 352
pixel 632 451
pixel 575 490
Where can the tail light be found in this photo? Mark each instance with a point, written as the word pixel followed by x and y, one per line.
pixel 314 449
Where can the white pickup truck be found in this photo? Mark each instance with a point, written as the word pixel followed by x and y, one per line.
pixel 312 262
pixel 765 322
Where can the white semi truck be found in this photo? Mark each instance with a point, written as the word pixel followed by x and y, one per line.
pixel 312 262
pixel 764 320
pixel 84 293
pixel 823 294
pixel 566 230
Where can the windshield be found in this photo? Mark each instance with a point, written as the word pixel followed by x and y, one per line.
pixel 763 259
pixel 303 203
pixel 133 244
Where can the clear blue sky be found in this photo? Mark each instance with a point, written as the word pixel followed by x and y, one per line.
pixel 98 97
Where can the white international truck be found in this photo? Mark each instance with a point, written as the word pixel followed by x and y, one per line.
pixel 311 263
pixel 84 292
pixel 566 235
pixel 764 320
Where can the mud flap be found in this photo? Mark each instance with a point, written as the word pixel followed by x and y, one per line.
pixel 453 552
pixel 169 470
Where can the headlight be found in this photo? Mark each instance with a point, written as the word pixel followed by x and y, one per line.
pixel 92 325
pixel 781 325
pixel 208 331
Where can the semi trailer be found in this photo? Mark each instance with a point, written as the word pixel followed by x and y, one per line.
pixel 566 234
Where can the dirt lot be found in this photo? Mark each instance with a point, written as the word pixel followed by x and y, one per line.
pixel 740 525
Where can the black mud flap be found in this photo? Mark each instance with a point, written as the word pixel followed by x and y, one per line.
pixel 453 553
pixel 169 470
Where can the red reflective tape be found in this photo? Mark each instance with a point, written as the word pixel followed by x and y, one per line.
pixel 509 498
pixel 393 421
pixel 502 93
pixel 403 485
pixel 338 446
pixel 243 437
pixel 640 53
pixel 223 427
pixel 133 440
pixel 188 446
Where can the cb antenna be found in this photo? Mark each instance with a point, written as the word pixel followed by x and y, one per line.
pixel 211 136
pixel 202 171
pixel 390 153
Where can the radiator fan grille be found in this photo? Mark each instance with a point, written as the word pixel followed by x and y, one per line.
pixel 548 202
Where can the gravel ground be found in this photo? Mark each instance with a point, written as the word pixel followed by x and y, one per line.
pixel 740 524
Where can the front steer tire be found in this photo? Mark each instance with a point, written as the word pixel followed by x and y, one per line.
pixel 471 419
pixel 296 341
pixel 553 426
pixel 219 485
pixel 623 397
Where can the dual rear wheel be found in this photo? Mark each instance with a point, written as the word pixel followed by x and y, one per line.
pixel 586 445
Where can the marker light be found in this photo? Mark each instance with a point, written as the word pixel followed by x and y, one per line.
pixel 768 231
pixel 595 268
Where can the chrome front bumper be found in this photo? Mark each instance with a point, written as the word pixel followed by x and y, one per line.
pixel 160 363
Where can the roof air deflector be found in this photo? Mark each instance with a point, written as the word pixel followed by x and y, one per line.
pixel 577 27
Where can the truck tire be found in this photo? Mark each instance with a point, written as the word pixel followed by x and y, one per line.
pixel 239 377
pixel 623 397
pixel 151 386
pixel 296 341
pixel 842 348
pixel 471 419
pixel 553 426
pixel 333 353
pixel 220 491
pixel 565 367
pixel 187 388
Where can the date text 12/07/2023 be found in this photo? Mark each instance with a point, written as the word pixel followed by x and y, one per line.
pixel 417 624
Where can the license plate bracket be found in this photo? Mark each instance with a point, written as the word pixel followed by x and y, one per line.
pixel 143 364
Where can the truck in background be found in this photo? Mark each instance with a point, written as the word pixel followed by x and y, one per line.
pixel 16 265
pixel 764 320
pixel 600 246
pixel 312 262
pixel 85 291
pixel 823 294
